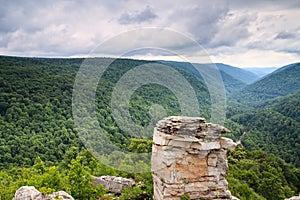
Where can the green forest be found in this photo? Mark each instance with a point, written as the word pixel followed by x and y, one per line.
pixel 40 146
pixel 269 112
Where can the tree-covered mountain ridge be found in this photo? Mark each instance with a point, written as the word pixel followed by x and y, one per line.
pixel 39 142
pixel 274 128
pixel 269 112
pixel 234 78
pixel 279 83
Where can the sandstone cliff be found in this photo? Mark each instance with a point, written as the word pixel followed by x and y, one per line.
pixel 189 158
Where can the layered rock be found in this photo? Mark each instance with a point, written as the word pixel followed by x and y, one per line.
pixel 31 193
pixel 189 158
pixel 113 183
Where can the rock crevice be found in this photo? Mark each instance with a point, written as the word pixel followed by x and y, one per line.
pixel 189 158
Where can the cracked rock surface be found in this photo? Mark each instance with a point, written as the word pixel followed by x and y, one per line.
pixel 189 158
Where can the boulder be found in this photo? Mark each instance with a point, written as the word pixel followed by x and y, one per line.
pixel 31 193
pixel 60 194
pixel 113 183
pixel 227 143
pixel 28 193
pixel 294 198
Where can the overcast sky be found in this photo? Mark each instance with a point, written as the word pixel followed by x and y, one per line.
pixel 259 33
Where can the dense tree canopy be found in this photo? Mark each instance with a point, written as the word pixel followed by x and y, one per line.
pixel 40 146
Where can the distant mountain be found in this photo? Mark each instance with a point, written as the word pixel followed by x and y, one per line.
pixel 238 73
pixel 286 67
pixel 281 82
pixel 229 74
pixel 231 84
pixel 261 72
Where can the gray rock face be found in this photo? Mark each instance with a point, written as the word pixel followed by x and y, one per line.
pixel 189 158
pixel 30 193
pixel 113 183
pixel 27 193
pixel 294 198
pixel 60 194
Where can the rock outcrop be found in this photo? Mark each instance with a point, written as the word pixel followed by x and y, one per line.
pixel 60 194
pixel 31 193
pixel 28 193
pixel 294 198
pixel 189 158
pixel 113 183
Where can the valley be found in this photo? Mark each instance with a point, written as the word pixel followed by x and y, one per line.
pixel 40 146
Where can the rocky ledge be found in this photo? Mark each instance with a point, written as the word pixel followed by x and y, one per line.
pixel 189 158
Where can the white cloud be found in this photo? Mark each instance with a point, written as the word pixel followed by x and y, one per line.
pixel 231 31
pixel 257 58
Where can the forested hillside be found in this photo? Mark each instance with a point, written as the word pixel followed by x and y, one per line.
pixel 253 175
pixel 238 73
pixel 36 101
pixel 289 106
pixel 39 143
pixel 269 112
pixel 258 175
pixel 281 82
pixel 233 78
pixel 275 128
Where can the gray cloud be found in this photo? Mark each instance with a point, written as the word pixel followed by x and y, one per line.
pixel 201 20
pixel 70 28
pixel 145 15
pixel 265 4
pixel 30 15
pixel 232 29
pixel 285 35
